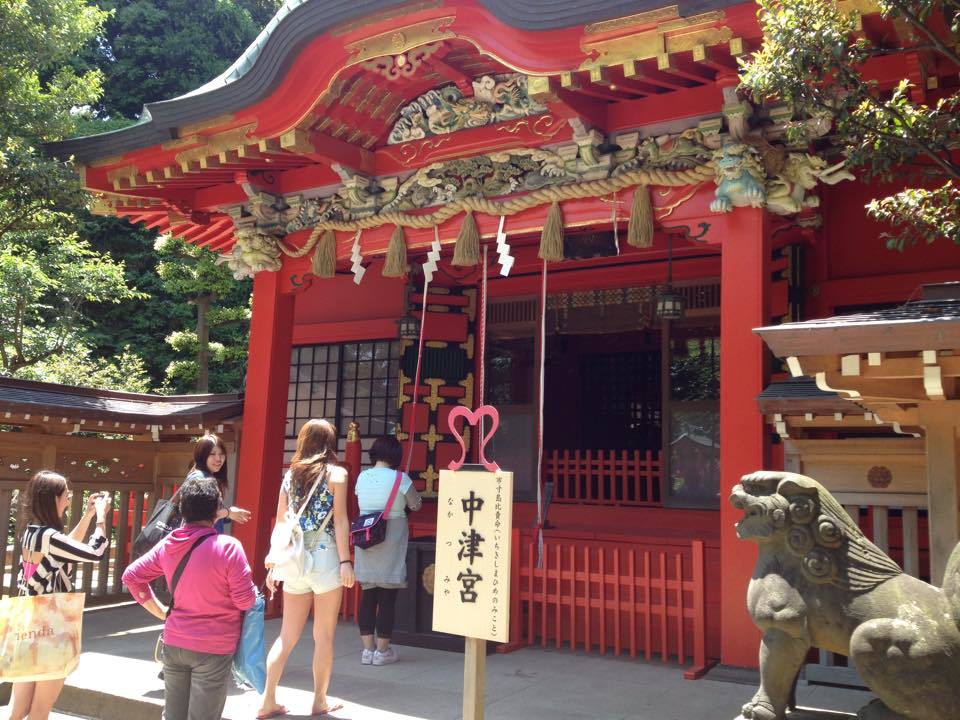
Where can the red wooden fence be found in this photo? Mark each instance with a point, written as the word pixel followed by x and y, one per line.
pixel 621 596
pixel 604 477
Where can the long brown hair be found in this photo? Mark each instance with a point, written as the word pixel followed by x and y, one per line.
pixel 39 502
pixel 316 449
pixel 201 452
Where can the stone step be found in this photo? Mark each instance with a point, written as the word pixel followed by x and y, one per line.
pixel 108 687
pixel 803 713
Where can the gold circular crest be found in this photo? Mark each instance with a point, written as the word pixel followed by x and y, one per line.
pixel 397 40
pixel 427 578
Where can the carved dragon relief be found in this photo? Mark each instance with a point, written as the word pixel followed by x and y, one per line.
pixel 749 170
pixel 447 109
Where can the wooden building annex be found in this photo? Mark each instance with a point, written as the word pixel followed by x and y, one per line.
pixel 598 151
pixel 137 447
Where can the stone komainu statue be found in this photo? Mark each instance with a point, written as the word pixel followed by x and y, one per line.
pixel 820 583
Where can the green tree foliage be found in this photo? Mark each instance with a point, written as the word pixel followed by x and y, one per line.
pixel 813 58
pixel 50 278
pixel 80 367
pixel 140 324
pixel 154 50
pixel 215 348
pixel 38 85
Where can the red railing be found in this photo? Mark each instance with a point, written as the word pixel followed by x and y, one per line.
pixel 609 595
pixel 603 477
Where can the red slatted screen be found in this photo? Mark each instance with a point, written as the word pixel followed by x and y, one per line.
pixel 604 477
pixel 626 597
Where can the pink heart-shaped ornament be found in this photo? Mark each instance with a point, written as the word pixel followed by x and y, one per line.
pixel 472 417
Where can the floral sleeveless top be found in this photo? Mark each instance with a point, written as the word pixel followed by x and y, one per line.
pixel 321 504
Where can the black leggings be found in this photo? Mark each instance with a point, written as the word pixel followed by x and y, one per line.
pixel 377 608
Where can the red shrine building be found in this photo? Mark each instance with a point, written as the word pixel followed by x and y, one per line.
pixel 604 223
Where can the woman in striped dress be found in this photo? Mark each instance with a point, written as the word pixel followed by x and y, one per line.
pixel 49 554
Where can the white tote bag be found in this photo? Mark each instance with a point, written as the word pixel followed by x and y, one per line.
pixel 287 555
pixel 40 636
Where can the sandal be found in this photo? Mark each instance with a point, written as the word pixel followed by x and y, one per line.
pixel 276 712
pixel 327 711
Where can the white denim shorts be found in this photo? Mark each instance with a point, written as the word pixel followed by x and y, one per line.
pixel 324 574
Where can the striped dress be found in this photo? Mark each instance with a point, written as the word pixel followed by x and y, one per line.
pixel 60 552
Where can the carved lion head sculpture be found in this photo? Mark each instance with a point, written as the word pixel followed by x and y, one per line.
pixel 735 160
pixel 797 514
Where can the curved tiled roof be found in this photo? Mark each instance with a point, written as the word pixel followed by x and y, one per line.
pixel 262 65
pixel 40 398
pixel 801 395
pixel 929 324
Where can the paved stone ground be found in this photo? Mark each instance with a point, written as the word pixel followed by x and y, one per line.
pixel 117 680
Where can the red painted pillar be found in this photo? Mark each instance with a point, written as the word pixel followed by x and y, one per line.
pixel 264 415
pixel 744 447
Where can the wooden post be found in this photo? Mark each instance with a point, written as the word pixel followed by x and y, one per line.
pixel 264 414
pixel 744 297
pixel 48 456
pixel 666 430
pixel 231 472
pixel 943 475
pixel 474 678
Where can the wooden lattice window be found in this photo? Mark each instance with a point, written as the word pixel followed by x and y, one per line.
pixel 620 398
pixel 344 382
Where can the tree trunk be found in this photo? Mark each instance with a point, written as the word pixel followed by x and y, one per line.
pixel 203 350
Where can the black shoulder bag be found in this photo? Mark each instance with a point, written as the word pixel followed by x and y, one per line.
pixel 370 530
pixel 164 519
pixel 158 652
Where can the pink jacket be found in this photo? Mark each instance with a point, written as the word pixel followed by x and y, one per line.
pixel 216 588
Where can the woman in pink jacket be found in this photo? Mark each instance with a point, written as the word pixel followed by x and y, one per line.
pixel 202 625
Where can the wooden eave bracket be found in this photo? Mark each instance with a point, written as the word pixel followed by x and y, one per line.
pixel 326 149
pixel 550 91
pixel 932 376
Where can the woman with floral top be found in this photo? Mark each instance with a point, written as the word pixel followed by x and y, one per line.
pixel 328 544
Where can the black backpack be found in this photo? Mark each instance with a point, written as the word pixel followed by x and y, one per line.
pixel 163 521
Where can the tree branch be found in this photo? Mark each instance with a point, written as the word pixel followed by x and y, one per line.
pixel 229 323
pixel 883 52
pixel 948 167
pixel 935 40
pixel 10 225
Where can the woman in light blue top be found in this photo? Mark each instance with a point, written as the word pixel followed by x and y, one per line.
pixel 382 569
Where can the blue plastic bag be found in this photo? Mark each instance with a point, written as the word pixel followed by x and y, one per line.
pixel 250 660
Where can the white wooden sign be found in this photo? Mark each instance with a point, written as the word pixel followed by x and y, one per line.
pixel 472 581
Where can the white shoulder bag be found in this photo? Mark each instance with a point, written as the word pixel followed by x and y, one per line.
pixel 287 556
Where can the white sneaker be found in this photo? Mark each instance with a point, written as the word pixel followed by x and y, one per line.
pixel 386 657
pixel 366 657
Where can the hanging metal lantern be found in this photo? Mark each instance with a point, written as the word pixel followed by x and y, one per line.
pixel 409 328
pixel 670 305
